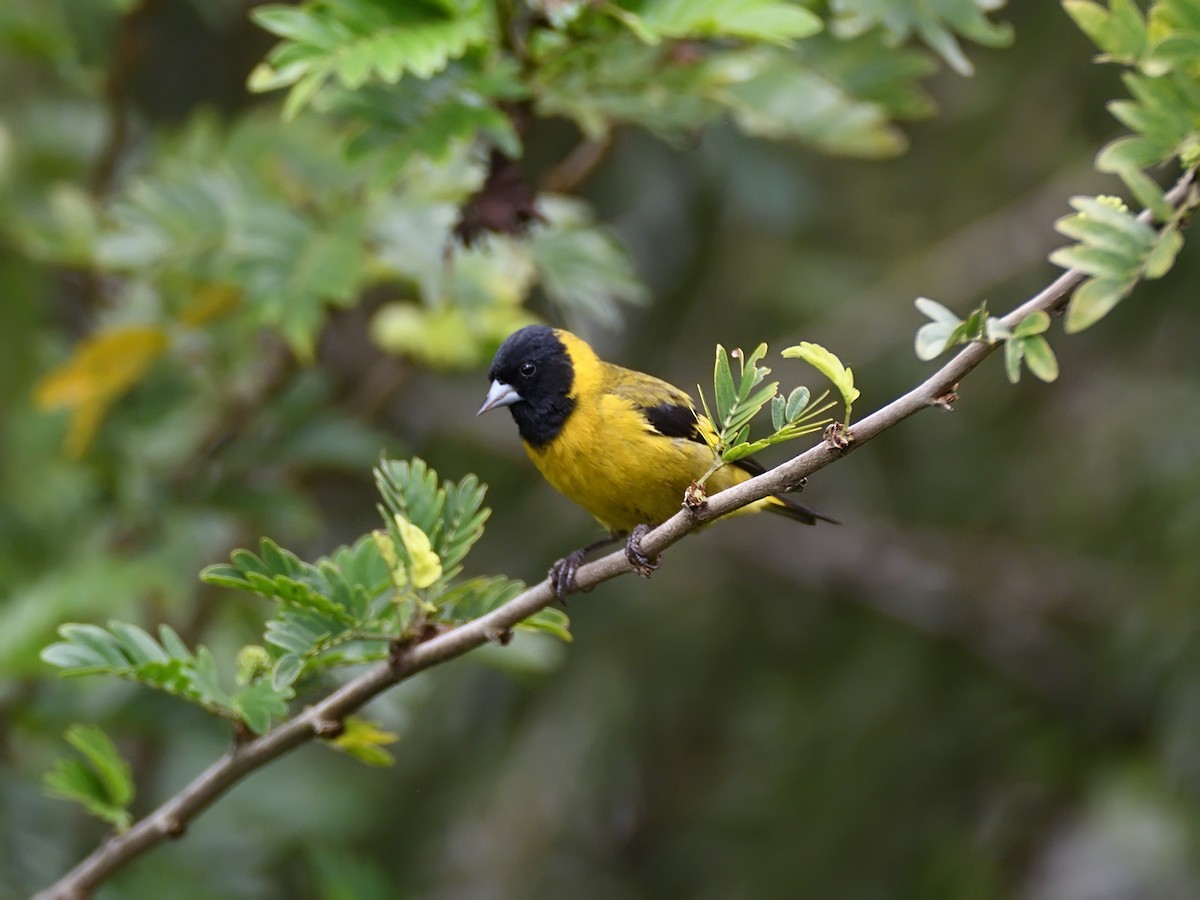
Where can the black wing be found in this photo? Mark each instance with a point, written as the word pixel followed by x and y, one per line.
pixel 676 420
pixel 673 420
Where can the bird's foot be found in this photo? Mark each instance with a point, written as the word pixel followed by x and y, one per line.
pixel 562 574
pixel 642 564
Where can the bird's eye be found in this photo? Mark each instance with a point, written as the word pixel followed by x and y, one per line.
pixel 527 369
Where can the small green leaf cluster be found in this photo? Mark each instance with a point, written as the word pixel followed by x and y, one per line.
pixel 738 400
pixel 389 586
pixel 935 23
pixel 831 367
pixel 396 585
pixel 1024 343
pixel 417 78
pixel 102 781
pixel 357 40
pixel 365 741
pixel 207 235
pixel 166 664
pixel 1115 250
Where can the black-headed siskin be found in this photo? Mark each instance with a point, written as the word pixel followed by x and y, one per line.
pixel 622 444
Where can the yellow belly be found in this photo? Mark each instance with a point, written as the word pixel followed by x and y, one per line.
pixel 623 472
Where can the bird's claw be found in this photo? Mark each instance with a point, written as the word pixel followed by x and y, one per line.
pixel 562 574
pixel 642 564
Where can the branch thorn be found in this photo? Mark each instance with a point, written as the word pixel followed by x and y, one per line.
pixel 328 728
pixel 947 400
pixel 838 436
pixel 173 827
pixel 695 498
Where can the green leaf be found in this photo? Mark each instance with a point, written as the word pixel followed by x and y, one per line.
pixel 425 566
pixel 323 587
pixel 1120 31
pixel 166 664
pixel 582 267
pixel 1148 193
pixel 935 311
pixel 973 328
pixel 932 340
pixel 365 740
pixel 1013 352
pixel 104 785
pixel 1112 213
pixel 830 366
pixel 723 388
pixel 934 23
pixel 764 20
pixel 1128 153
pixel 601 83
pixel 96 639
pixel 1176 51
pixel 431 118
pixel 464 516
pixel 796 402
pixel 479 596
pixel 257 703
pixel 354 41
pixel 1039 358
pixel 550 621
pixel 1092 301
pixel 1096 262
pixel 772 94
pixel 1162 256
pixel 113 771
pixel 778 412
pixel 1034 323
pixel 1122 240
pixel 286 670
pixel 995 330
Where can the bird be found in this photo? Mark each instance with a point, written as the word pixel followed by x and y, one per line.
pixel 622 444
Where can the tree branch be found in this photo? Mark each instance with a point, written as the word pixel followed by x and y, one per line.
pixel 172 817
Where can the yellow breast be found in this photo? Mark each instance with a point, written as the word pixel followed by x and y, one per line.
pixel 610 461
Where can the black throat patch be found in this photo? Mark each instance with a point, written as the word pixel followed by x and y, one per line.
pixel 535 362
pixel 541 420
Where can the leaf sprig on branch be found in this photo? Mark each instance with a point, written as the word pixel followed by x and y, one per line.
pixel 395 586
pixel 737 401
pixel 1023 343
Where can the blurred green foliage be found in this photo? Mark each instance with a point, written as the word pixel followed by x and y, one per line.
pixel 216 317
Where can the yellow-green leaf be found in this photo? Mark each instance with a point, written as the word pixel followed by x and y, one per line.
pixel 387 552
pixel 426 565
pixel 364 740
pixel 102 368
pixel 828 365
pixel 1092 301
pixel 1040 359
pixel 1162 256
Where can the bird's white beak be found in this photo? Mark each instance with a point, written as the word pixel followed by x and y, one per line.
pixel 499 394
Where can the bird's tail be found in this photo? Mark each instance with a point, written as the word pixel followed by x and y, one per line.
pixel 786 506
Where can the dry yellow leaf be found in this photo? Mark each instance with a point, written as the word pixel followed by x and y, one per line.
pixel 208 302
pixel 426 564
pixel 102 368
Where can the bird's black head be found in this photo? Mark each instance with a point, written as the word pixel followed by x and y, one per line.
pixel 532 375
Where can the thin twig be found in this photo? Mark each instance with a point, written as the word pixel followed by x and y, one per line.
pixel 171 818
pixel 576 166
pixel 131 46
